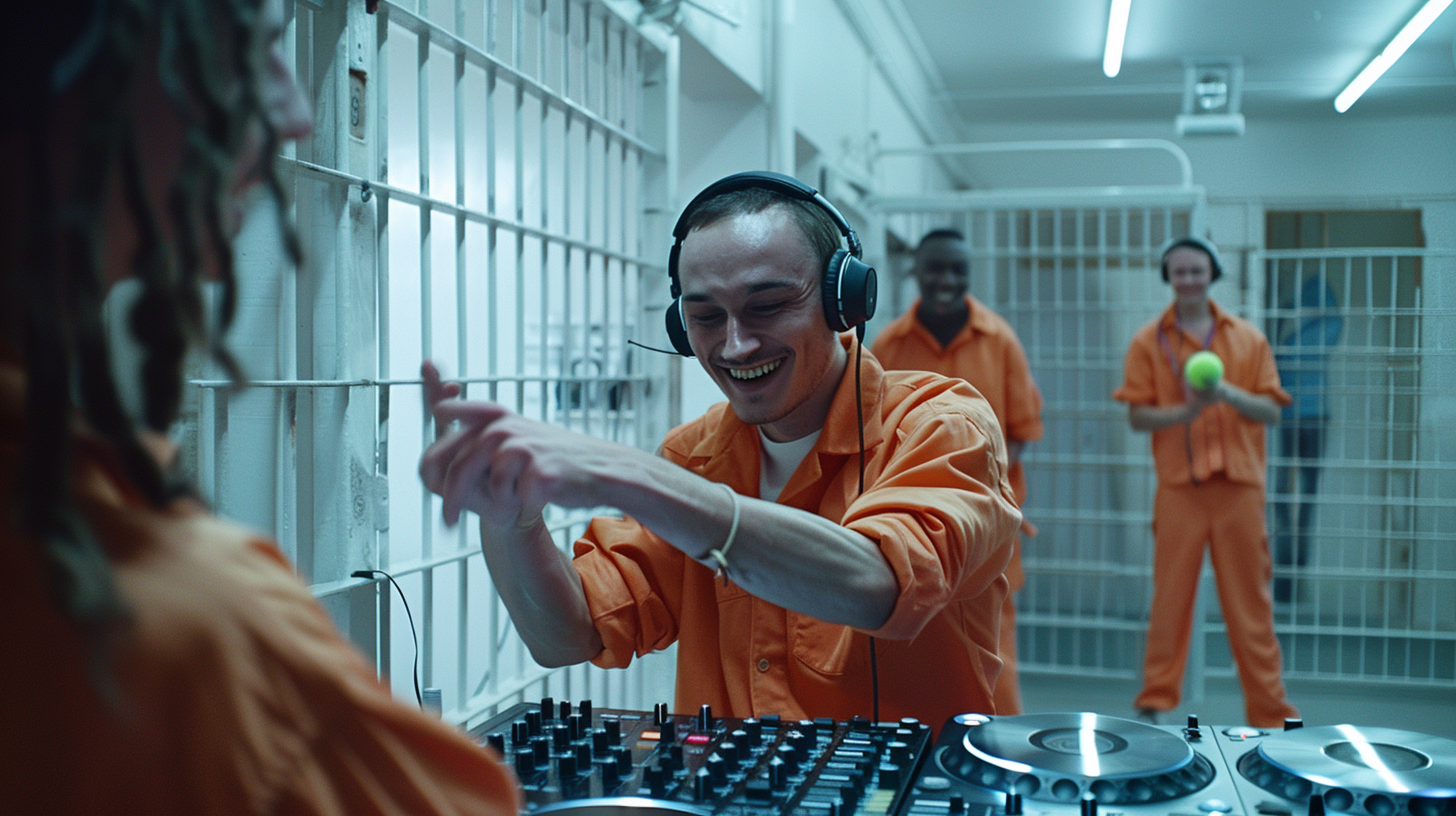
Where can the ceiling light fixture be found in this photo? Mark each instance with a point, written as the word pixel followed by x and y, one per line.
pixel 1116 33
pixel 1413 29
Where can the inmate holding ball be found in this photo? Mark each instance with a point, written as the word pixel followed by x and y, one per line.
pixel 1203 370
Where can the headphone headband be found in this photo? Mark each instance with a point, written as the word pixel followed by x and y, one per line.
pixel 767 180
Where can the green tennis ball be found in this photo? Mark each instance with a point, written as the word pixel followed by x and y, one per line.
pixel 1203 370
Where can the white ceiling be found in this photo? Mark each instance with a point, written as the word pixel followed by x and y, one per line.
pixel 1041 60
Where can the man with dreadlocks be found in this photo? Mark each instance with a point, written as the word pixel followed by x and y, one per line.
pixel 159 659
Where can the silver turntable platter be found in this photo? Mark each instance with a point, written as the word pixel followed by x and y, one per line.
pixel 1085 744
pixel 1377 770
pixel 1065 756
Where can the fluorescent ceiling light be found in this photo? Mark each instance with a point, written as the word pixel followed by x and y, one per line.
pixel 1413 29
pixel 1116 32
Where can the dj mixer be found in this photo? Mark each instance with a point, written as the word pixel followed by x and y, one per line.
pixel 700 763
pixel 574 761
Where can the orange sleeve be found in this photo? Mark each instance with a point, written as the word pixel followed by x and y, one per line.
pixel 1138 386
pixel 1266 375
pixel 633 588
pixel 1023 398
pixel 943 513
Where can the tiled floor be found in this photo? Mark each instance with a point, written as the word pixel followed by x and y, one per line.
pixel 1421 709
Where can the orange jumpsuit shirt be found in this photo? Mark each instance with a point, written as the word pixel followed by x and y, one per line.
pixel 1220 438
pixel 987 354
pixel 936 500
pixel 236 692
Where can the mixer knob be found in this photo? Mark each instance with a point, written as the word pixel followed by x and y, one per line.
pixel 496 740
pixel 801 743
pixel 542 748
pixel 520 732
pixel 889 775
pixel 899 752
pixel 565 708
pixel 717 770
pixel 1013 804
pixel 583 756
pixel 1316 805
pixel 668 731
pixel 786 754
pixel 705 717
pixel 600 744
pixel 548 707
pixel 566 766
pixel 1291 723
pixel 614 730
pixel 702 785
pixel 623 758
pixel 729 752
pixel 778 773
pixel 533 722
pixel 560 737
pixel 808 729
pixel 742 742
pixel 675 755
pixel 576 726
pixel 910 723
pixel 656 781
pixel 958 804
pixel 1089 805
pixel 525 762
pixel 584 708
pixel 1192 721
pixel 754 727
pixel 609 774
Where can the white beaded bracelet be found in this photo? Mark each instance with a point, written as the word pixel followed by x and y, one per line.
pixel 720 554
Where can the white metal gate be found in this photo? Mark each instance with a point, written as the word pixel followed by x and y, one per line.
pixel 1076 274
pixel 481 190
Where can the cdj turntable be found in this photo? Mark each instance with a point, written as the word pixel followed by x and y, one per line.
pixel 629 763
pixel 1086 763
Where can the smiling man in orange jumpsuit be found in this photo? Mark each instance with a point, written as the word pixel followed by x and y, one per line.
pixel 949 332
pixel 749 541
pixel 1208 449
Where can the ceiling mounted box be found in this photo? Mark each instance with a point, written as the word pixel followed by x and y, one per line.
pixel 1213 88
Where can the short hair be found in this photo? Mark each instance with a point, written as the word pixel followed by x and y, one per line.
pixel 814 223
pixel 1193 242
pixel 940 234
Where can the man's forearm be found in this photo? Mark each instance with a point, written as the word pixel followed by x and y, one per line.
pixel 781 554
pixel 542 592
pixel 1253 406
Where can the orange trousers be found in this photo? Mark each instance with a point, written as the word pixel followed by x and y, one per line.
pixel 1227 518
pixel 1007 694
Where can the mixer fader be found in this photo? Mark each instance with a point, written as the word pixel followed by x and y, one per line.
pixel 705 764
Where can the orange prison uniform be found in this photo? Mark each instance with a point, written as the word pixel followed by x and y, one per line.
pixel 936 500
pixel 1210 491
pixel 235 692
pixel 986 354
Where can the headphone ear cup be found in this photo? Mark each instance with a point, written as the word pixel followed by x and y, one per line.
pixel 677 330
pixel 850 289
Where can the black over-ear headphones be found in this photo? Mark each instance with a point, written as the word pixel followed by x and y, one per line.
pixel 849 285
pixel 1194 242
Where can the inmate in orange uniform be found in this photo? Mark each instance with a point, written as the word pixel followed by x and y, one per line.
pixel 1210 492
pixel 236 692
pixel 986 354
pixel 936 500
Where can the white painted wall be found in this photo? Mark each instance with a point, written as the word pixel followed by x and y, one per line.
pixel 840 101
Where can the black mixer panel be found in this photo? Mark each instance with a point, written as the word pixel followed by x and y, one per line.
pixel 577 758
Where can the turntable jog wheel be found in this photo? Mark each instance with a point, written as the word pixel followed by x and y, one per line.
pixel 1370 771
pixel 1062 757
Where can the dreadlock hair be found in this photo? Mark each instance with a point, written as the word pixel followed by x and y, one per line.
pixel 210 60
